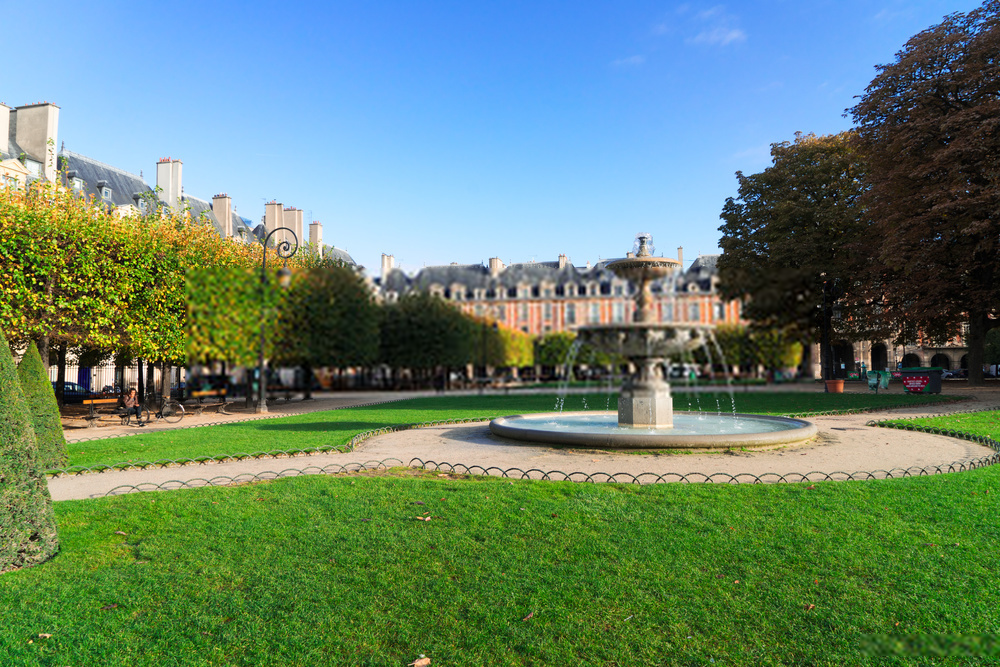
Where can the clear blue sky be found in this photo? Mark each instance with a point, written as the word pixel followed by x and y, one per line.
pixel 457 131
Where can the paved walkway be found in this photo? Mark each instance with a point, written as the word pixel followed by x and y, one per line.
pixel 844 444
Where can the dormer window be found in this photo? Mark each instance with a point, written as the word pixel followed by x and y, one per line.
pixel 142 205
pixel 103 189
pixel 77 183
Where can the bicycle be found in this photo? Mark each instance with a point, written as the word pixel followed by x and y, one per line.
pixel 169 410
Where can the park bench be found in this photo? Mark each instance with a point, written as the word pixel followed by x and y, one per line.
pixel 274 389
pixel 95 404
pixel 219 402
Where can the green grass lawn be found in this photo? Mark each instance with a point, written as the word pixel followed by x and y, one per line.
pixel 335 428
pixel 338 571
pixel 977 423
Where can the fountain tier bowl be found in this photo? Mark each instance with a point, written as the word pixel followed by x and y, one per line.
pixel 692 430
pixel 647 340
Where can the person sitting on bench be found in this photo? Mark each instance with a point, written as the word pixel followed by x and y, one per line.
pixel 132 405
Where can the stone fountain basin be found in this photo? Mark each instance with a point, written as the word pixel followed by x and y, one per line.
pixel 646 340
pixel 692 430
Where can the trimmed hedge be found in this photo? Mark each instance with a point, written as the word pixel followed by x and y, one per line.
pixel 27 524
pixel 41 398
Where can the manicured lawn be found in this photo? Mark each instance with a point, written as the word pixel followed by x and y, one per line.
pixel 337 571
pixel 977 423
pixel 335 428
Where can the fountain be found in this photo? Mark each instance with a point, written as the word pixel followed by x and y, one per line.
pixel 646 416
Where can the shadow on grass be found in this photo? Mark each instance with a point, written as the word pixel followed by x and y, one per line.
pixel 325 426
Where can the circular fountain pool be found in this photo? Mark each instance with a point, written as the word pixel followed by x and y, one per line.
pixel 691 430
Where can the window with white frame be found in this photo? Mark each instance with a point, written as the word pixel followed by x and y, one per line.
pixel 570 313
pixel 618 312
pixel 106 192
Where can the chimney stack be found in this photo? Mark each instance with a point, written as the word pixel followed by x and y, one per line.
pixel 496 266
pixel 4 128
pixel 168 179
pixel 222 207
pixel 273 216
pixel 35 129
pixel 292 218
pixel 680 255
pixel 563 260
pixel 388 263
pixel 316 236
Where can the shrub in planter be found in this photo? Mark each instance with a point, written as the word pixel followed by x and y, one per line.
pixel 27 524
pixel 41 399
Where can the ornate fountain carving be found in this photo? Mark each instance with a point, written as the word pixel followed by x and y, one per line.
pixel 645 399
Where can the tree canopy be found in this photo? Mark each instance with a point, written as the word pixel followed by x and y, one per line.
pixel 929 126
pixel 786 233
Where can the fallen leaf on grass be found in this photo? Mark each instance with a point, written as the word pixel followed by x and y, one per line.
pixel 528 616
pixel 810 487
pixel 420 662
pixel 44 635
pixel 109 606
pixel 719 576
pixel 119 532
pixel 809 607
pixel 422 518
pixel 418 502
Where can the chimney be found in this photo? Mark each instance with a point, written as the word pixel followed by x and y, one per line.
pixel 563 260
pixel 680 255
pixel 273 216
pixel 292 218
pixel 630 255
pixel 168 179
pixel 316 236
pixel 388 263
pixel 4 128
pixel 35 129
pixel 496 266
pixel 222 207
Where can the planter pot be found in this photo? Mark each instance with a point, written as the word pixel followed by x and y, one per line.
pixel 835 386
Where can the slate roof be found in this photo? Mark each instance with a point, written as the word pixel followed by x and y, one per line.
pixel 477 276
pixel 125 187
pixel 339 254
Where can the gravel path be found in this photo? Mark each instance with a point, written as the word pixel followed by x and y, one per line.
pixel 844 444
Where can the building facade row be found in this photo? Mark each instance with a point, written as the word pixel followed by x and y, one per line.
pixel 544 297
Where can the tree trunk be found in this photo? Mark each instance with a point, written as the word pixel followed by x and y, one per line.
pixel 978 326
pixel 43 349
pixel 806 366
pixel 140 380
pixel 307 374
pixel 61 374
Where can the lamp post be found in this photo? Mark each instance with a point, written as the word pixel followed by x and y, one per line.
pixel 284 248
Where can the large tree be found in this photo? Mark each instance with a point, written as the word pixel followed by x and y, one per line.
pixel 786 233
pixel 929 125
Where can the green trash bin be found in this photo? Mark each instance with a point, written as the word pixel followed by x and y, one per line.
pixel 921 380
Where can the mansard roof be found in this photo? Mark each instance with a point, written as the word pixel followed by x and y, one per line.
pixel 477 276
pixel 126 188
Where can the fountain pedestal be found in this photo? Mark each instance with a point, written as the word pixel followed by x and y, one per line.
pixel 645 401
pixel 646 405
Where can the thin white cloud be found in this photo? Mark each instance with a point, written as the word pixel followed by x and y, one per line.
pixel 719 36
pixel 713 26
pixel 631 61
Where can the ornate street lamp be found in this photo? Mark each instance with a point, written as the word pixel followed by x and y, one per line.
pixel 284 248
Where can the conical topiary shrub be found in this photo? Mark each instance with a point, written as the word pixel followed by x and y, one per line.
pixel 27 524
pixel 41 398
